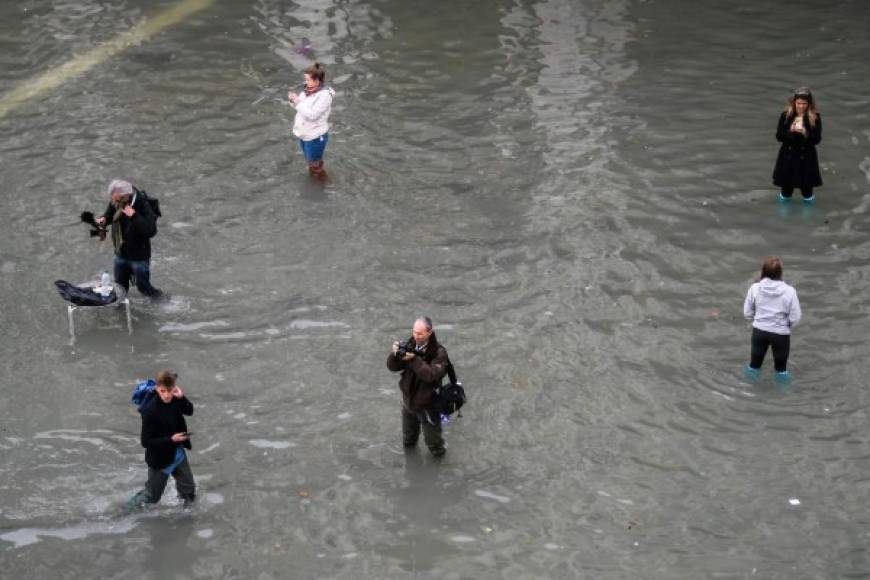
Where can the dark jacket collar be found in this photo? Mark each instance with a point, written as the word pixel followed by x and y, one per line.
pixel 431 346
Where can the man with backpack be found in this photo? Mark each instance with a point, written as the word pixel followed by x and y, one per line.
pixel 423 363
pixel 133 221
pixel 165 438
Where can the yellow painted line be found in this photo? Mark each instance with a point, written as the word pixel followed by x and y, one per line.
pixel 82 63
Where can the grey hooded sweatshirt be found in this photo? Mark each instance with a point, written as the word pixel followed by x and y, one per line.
pixel 772 305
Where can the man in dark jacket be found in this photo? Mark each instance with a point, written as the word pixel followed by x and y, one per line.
pixel 423 365
pixel 164 437
pixel 133 224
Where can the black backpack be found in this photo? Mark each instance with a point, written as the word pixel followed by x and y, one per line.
pixel 450 398
pixel 154 203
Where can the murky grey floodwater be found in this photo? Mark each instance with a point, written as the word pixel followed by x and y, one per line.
pixel 577 191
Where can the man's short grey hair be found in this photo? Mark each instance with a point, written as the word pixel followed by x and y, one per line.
pixel 120 186
pixel 425 321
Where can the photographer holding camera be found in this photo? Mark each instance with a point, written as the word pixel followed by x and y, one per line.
pixel 133 224
pixel 423 363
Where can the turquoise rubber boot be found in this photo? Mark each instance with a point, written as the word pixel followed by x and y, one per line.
pixel 809 200
pixel 783 377
pixel 751 374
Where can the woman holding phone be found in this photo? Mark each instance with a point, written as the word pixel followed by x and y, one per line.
pixel 311 124
pixel 799 130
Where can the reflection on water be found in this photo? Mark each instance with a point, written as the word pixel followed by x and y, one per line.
pixel 26 536
pixel 327 32
pixel 576 191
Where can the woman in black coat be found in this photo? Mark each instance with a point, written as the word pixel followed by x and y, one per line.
pixel 799 130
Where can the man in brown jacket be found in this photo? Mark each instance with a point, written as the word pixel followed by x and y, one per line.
pixel 423 362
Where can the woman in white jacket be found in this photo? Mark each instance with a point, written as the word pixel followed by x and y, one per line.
pixel 773 307
pixel 311 124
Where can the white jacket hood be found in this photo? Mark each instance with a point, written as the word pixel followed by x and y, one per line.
pixel 772 305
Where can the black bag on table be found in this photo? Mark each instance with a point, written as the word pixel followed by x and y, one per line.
pixel 83 296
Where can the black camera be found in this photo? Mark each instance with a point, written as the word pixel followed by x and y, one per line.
pixel 408 347
pixel 97 229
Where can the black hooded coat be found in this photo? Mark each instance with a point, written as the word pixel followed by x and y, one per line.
pixel 797 164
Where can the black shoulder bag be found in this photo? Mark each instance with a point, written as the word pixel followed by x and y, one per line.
pixel 450 398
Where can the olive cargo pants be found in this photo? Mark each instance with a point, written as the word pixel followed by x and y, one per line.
pixel 156 483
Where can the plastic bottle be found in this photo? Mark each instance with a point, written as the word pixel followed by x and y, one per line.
pixel 105 284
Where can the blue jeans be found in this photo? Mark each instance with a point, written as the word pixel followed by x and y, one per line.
pixel 140 270
pixel 313 150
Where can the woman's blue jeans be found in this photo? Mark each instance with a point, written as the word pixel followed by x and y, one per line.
pixel 313 150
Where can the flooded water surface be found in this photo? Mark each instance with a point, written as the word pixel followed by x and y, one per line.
pixel 576 191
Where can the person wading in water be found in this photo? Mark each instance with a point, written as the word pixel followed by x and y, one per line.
pixel 311 124
pixel 799 130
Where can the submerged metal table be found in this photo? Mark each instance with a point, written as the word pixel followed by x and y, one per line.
pixel 120 300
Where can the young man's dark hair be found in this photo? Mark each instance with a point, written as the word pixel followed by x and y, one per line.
pixel 166 378
pixel 165 437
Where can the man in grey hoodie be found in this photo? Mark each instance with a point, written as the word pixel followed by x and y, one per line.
pixel 773 307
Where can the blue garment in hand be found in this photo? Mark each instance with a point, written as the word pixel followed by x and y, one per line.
pixel 179 457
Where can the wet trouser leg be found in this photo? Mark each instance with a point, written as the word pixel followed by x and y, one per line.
pixel 156 485
pixel 138 269
pixel 412 423
pixel 780 344
pixel 142 272
pixel 122 272
pixel 758 348
pixel 432 436
pixel 153 490
pixel 184 483
pixel 410 428
pixel 761 340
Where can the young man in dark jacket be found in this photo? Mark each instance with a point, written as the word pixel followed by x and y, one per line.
pixel 165 437
pixel 423 368
pixel 133 224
